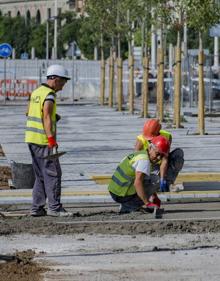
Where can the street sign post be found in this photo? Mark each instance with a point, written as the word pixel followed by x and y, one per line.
pixel 5 52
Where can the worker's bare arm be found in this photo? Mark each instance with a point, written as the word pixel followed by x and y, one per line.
pixel 47 117
pixel 138 145
pixel 138 183
pixel 163 167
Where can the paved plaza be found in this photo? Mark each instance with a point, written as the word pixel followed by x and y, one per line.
pixel 96 138
pixel 97 243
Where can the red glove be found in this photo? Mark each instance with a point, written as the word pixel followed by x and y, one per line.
pixel 154 199
pixel 152 205
pixel 52 142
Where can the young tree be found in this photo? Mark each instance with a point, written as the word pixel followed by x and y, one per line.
pixel 162 16
pixel 100 17
pixel 69 31
pixel 178 12
pixel 201 15
pixel 38 40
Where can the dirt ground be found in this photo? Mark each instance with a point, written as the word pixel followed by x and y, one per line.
pixel 1 151
pixel 5 173
pixel 21 267
pixel 104 219
pixel 91 222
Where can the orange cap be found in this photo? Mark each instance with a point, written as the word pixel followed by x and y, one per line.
pixel 151 129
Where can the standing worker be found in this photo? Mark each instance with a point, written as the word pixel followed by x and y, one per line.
pixel 171 164
pixel 40 135
pixel 133 184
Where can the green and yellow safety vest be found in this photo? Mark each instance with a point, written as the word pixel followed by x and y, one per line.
pixel 122 181
pixel 145 142
pixel 166 134
pixel 35 132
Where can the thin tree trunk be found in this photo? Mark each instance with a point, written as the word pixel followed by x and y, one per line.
pixel 201 94
pixel 131 68
pixel 177 83
pixel 119 70
pixel 160 79
pixel 119 83
pixel 131 84
pixel 145 91
pixel 111 78
pixel 145 63
pixel 102 86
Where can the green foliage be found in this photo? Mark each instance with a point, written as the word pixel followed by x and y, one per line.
pixel 114 20
pixel 202 14
pixel 8 27
pixel 69 31
pixel 38 40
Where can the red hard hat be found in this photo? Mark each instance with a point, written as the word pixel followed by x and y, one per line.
pixel 151 129
pixel 162 144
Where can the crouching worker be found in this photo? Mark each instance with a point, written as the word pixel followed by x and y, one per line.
pixel 133 183
pixel 170 165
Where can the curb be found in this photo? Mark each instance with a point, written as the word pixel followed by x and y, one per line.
pixel 103 197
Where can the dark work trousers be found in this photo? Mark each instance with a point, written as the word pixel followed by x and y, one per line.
pixel 175 164
pixel 48 179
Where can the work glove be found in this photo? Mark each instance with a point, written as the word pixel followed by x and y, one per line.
pixel 154 199
pixel 151 206
pixel 52 142
pixel 163 185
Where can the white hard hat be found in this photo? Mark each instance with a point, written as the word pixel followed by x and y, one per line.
pixel 57 70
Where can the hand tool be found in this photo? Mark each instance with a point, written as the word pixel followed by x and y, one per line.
pixel 54 154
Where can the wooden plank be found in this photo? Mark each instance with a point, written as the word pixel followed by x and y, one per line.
pixel 13 214
pixel 184 177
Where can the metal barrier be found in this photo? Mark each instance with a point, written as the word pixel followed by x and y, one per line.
pixel 24 75
pixel 84 83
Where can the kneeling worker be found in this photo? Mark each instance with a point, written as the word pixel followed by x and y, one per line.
pixel 133 184
pixel 170 165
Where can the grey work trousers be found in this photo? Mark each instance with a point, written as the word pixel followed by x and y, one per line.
pixel 48 179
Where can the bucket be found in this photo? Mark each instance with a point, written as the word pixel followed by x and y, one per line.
pixel 22 175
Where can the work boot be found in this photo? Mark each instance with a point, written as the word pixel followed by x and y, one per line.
pixel 123 209
pixel 59 213
pixel 38 213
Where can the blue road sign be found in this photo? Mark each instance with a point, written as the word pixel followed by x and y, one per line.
pixel 5 50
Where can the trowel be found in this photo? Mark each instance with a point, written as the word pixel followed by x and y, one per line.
pixel 54 154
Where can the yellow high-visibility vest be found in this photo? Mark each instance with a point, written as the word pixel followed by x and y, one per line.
pixel 35 132
pixel 166 134
pixel 145 142
pixel 122 181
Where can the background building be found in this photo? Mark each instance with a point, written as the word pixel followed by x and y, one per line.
pixel 39 9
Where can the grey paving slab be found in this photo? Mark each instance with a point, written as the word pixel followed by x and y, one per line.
pixel 96 138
